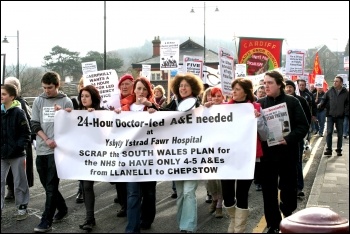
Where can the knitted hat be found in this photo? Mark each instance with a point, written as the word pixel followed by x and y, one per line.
pixel 124 78
pixel 289 82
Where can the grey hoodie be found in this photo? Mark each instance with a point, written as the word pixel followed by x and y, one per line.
pixel 43 118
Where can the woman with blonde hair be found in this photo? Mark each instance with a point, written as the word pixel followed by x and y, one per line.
pixel 214 186
pixel 206 97
pixel 159 96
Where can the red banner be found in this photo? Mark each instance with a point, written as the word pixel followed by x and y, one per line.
pixel 317 71
pixel 260 54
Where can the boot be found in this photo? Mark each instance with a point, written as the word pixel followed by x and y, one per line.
pixel 241 220
pixel 231 212
pixel 80 197
pixel 88 224
pixel 212 206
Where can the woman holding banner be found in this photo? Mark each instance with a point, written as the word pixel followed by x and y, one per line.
pixel 235 192
pixel 186 88
pixel 125 86
pixel 141 196
pixel 89 99
pixel 214 186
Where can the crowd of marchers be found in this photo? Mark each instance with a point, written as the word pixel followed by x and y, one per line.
pixel 278 168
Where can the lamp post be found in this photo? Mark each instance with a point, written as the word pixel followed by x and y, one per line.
pixel 104 54
pixel 6 41
pixel 192 11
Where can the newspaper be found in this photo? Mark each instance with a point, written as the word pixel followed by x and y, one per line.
pixel 277 122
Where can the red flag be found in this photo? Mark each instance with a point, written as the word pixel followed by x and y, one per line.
pixel 311 78
pixel 317 69
pixel 294 78
pixel 325 85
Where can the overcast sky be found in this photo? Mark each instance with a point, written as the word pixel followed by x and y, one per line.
pixel 79 26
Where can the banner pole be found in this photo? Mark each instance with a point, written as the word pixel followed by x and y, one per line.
pixel 169 77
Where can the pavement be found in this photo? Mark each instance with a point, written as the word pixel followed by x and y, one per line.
pixel 331 185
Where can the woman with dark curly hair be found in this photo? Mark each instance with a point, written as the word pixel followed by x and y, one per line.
pixel 185 86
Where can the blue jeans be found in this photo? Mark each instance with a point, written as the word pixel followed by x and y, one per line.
pixel 330 127
pixel 187 204
pixel 346 126
pixel 321 118
pixel 141 206
pixel 46 167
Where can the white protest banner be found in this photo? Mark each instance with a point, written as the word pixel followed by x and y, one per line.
pixel 211 76
pixel 89 67
pixel 255 80
pixel 319 81
pixel 193 64
pixel 169 54
pixel 345 80
pixel 295 62
pixel 241 70
pixel 226 64
pixel 201 144
pixel 278 123
pixel 106 82
pixel 146 71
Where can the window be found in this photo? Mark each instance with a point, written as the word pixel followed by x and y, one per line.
pixel 156 75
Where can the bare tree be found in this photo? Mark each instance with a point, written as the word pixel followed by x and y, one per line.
pixel 30 82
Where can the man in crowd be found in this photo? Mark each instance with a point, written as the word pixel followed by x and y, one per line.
pixel 305 93
pixel 279 162
pixel 43 125
pixel 320 113
pixel 336 102
pixel 290 89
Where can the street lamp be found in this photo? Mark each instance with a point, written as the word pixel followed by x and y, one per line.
pixel 192 11
pixel 6 41
pixel 104 23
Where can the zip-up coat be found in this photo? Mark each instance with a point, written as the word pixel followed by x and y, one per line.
pixel 298 124
pixel 15 131
pixel 336 104
pixel 310 99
